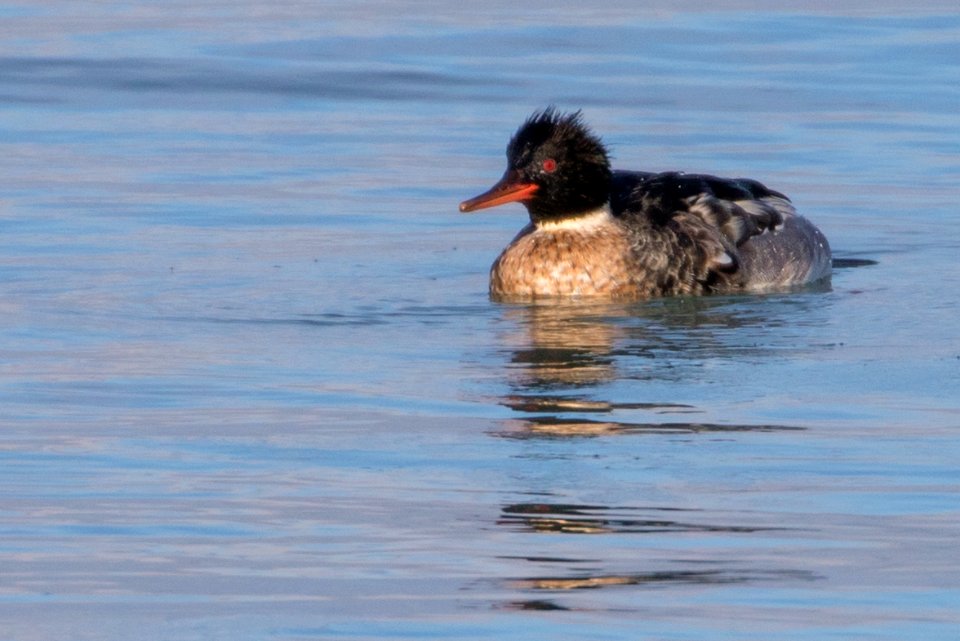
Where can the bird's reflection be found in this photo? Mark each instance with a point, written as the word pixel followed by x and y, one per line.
pixel 563 364
pixel 560 357
pixel 710 574
pixel 557 346
pixel 598 519
pixel 566 575
pixel 556 426
pixel 699 577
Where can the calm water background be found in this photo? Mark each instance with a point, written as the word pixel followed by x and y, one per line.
pixel 251 385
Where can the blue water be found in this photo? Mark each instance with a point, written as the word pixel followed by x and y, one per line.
pixel 252 387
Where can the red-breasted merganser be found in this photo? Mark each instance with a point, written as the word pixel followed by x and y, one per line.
pixel 629 234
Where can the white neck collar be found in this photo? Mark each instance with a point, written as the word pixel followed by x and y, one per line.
pixel 584 222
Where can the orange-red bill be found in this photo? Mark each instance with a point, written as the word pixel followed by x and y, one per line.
pixel 507 190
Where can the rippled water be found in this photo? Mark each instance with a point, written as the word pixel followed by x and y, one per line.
pixel 251 384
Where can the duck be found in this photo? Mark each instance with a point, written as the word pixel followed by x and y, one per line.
pixel 595 232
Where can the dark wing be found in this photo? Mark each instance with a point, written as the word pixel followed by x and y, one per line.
pixel 738 207
pixel 713 215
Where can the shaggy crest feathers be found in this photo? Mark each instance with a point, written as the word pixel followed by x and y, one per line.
pixel 571 136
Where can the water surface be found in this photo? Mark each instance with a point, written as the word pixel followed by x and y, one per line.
pixel 251 384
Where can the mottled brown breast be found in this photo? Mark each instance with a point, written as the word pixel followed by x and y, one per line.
pixel 593 259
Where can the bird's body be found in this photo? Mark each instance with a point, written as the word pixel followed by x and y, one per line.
pixel 595 232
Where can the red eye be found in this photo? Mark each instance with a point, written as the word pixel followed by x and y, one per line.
pixel 549 165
